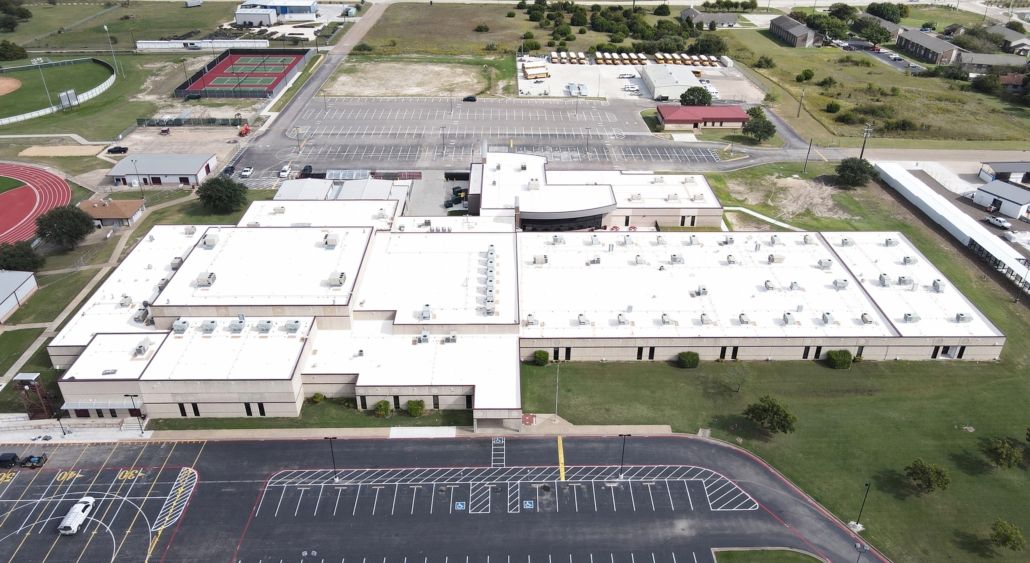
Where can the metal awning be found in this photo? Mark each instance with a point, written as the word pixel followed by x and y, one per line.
pixel 95 404
pixel 1003 167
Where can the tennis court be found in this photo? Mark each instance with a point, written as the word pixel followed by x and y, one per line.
pixel 243 81
pixel 271 69
pixel 252 73
pixel 268 60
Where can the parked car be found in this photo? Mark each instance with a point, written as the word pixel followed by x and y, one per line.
pixel 76 516
pixel 897 58
pixel 998 222
pixel 9 460
pixel 469 99
pixel 117 150
pixel 285 171
pixel 228 171
pixel 306 171
pixel 247 172
pixel 913 65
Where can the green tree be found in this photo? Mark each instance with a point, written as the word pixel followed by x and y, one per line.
pixel 770 412
pixel 843 12
pixel 854 171
pixel 688 360
pixel 531 45
pixel 10 51
pixel 64 226
pixel 20 256
pixel 759 129
pixel 832 107
pixel 8 22
pixel 765 61
pixel 1015 25
pixel 928 477
pixel 756 112
pixel 885 10
pixel 1007 535
pixel 662 10
pixel 904 10
pixel 482 28
pixel 711 25
pixel 1002 453
pixel 987 83
pixel 797 16
pixel 708 44
pixel 382 409
pixel 222 194
pixel 808 73
pixel 696 96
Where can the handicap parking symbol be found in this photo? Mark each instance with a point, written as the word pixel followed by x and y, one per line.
pixel 527 504
pixel 459 506
pixel 498 441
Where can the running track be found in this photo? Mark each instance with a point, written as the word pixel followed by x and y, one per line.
pixel 19 207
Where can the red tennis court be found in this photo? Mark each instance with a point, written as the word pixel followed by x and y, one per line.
pixel 19 207
pixel 247 73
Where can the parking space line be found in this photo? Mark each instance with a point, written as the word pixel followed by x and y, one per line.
pixel 687 488
pixel 668 490
pixel 299 499
pixel 276 515
pixel 339 491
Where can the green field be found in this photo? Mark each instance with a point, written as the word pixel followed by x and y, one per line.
pixel 33 96
pixel 764 556
pixel 51 298
pixel 8 184
pixel 147 20
pixel 47 19
pixel 38 363
pixel 329 414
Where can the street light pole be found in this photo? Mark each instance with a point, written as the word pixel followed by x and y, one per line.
pixel 622 465
pixel 865 137
pixel 111 45
pixel 862 548
pixel 859 519
pixel 139 419
pixel 336 478
pixel 801 101
pixel 57 415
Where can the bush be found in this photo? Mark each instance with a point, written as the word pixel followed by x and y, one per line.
pixel 854 171
pixel 531 45
pixel 348 403
pixel 618 38
pixel 528 35
pixel 662 10
pixel 882 111
pixel 832 107
pixel 772 98
pixel 929 477
pixel 317 399
pixel 582 31
pixel 839 359
pixel 521 5
pixel 510 14
pixel 416 408
pixel 847 118
pixel 551 43
pixel 827 82
pixel 765 62
pixel 689 360
pixel 363 47
pixel 808 73
pixel 536 16
pixel 1002 453
pixel 900 125
pixel 800 78
pixel 383 409
pixel 770 412
pixel 482 28
pixel 541 358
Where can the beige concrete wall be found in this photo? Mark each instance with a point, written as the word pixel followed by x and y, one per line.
pixel 63 356
pixel 223 410
pixel 330 385
pixel 333 323
pixel 646 218
pixel 446 402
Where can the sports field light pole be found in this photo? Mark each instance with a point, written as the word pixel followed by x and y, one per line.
pixel 111 45
pixel 139 418
pixel 622 465
pixel 48 98
pixel 859 519
pixel 336 478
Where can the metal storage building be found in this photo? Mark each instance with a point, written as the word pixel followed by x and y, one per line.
pixel 668 81
pixel 1007 199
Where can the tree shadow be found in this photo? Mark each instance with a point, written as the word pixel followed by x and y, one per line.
pixel 971 543
pixel 713 386
pixel 894 483
pixel 970 463
pixel 739 425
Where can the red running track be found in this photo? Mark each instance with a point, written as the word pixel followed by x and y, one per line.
pixel 19 207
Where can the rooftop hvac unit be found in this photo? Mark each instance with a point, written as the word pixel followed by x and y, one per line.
pixel 292 326
pixel 693 240
pixel 640 259
pixel 330 240
pixel 775 258
pixel 381 214
pixel 846 241
pixel 673 198
pixel 636 197
pixel 534 184
pixel 179 327
pixel 490 264
pixel 677 259
pixel 427 312
pixel 490 273
pixel 867 319
pixel 809 239
pixel 911 318
pixel 702 290
pixel 209 240
pixel 253 224
pixel 885 280
pixel 490 296
pixel 795 286
pixel 583 320
pixel 891 242
pixel 661 240
pixel 827 318
pixel 490 282
pixel 162 283
pixel 205 279
pixel 731 259
pixel 207 327
pixel 558 239
pixel 522 166
pixel 423 338
pixel 699 197
pixel 594 240
pixel 758 246
pixel 279 209
pixel 705 319
pixel 490 252
pixel 963 318
pixel 728 240
pixel 840 284
pixel 788 318
pixel 540 259
pixel 236 326
pixel 190 230
pixel 451 338
pixel 337 279
pixel 140 316
pixel 938 286
pixel 143 346
pixel 826 263
pixel 627 240
pixel 264 327
pixel 666 319
pixel 531 320
pixel 125 301
pixel 176 262
pixel 904 280
pixel 490 309
pixel 622 319
pixel 744 320
pixel 909 260
pixel 596 260
pixel 658 180
pixel 769 285
pixel 774 240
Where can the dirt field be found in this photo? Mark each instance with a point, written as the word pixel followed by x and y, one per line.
pixel 8 85
pixel 791 195
pixel 407 79
pixel 167 75
pixel 62 150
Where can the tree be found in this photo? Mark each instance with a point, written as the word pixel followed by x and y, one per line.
pixel 876 34
pixel 482 28
pixel 1007 535
pixel 10 51
pixel 843 12
pixel 711 25
pixel 832 107
pixel 770 412
pixel 1016 26
pixel 765 61
pixel 52 2
pixel 760 129
pixel 23 13
pixel 20 256
pixel 579 18
pixel 662 10
pixel 756 112
pixel 799 17
pixel 8 23
pixel 1002 453
pixel 739 375
pixel 854 171
pixel 531 45
pixel 885 10
pixel 987 83
pixel 904 10
pixel 928 477
pixel 222 194
pixel 64 226
pixel 696 96
pixel 708 44
pixel 808 73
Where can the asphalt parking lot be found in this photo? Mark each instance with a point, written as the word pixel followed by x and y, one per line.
pixel 476 499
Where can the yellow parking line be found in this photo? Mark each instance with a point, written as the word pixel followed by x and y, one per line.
pixel 727 147
pixel 820 154
pixel 561 459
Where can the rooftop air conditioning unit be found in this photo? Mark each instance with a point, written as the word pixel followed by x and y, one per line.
pixel 179 327
pixel 583 320
pixel 847 241
pixel 788 318
pixel 795 286
pixel 744 320
pixel 891 242
pixel 337 279
pixel 162 283
pixel 253 224
pixel 636 197
pixel 904 280
pixel 867 319
pixel 209 240
pixel 640 259
pixel 452 338
pixel 427 312
pixel 190 230
pixel 292 326
pixel 694 241
pixel 235 326
pixel 775 258
pixel 673 198
pixel 885 280
pixel 728 240
pixel 522 166
pixel 938 286
pixel 264 327
pixel 330 240
pixel 205 279
pixel 558 239
pixel 594 241
pixel 702 290
pixel 534 184
pixel 826 263
pixel 705 319
pixel 666 319
pixel 140 316
pixel 176 262
pixel 677 259
pixel 699 197
pixel 540 259
pixel 490 282
pixel 661 240
pixel 909 260
pixel 490 309
pixel 658 180
pixel 827 318
pixel 840 284
pixel 627 240
pixel 531 320
pixel 731 259
pixel 769 286
pixel 963 318
pixel 143 346
pixel 809 239
pixel 207 327
pixel 125 301
pixel 622 319
pixel 911 318
pixel 423 338
pixel 381 214
pixel 279 209
pixel 774 240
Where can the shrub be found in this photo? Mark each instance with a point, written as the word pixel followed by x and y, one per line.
pixel 582 31
pixel 363 48
pixel 827 82
pixel 570 37
pixel 528 35
pixel 348 403
pixel 10 51
pixel 521 5
pixel 317 399
pixel 895 91
pixel 482 28
pixel 689 360
pixel 800 78
pixel 618 38
pixel 854 61
pixel 541 357
pixel 536 16
pixel 531 45
pixel 416 408
pixel 900 125
pixel 765 61
pixel 883 111
pixel 847 118
pixel 1002 453
pixel 772 98
pixel 854 171
pixel 772 413
pixel 551 43
pixel 510 14
pixel 662 10
pixel 382 409
pixel 832 107
pixel 839 359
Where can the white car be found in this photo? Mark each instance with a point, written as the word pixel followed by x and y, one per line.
pixel 247 172
pixel 285 172
pixel 76 516
pixel 998 222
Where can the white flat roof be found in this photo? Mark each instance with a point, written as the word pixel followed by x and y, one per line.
pixel 503 186
pixel 869 256
pixel 321 214
pixel 500 223
pixel 304 188
pixel 654 190
pixel 489 362
pixel 567 286
pixel 224 355
pixel 137 276
pixel 446 271
pixel 113 357
pixel 274 266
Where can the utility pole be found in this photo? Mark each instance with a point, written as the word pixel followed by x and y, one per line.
pixel 808 155
pixel 865 137
pixel 112 51
pixel 800 101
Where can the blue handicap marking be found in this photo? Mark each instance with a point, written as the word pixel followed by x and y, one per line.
pixel 459 506
pixel 527 504
pixel 498 441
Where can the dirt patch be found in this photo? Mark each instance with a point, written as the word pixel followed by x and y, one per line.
pixel 8 85
pixel 792 195
pixel 407 79
pixel 158 88
pixel 63 150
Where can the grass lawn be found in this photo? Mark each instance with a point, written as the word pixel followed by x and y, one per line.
pixel 764 556
pixel 8 184
pixel 305 74
pixel 13 344
pixel 193 213
pixel 46 19
pixel 51 298
pixel 734 136
pixel 147 20
pixel 147 194
pixel 329 414
pixel 100 253
pixel 32 96
pixel 38 363
pixel 942 111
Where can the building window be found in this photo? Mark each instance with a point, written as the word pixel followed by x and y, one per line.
pixel 961 352
pixel 182 410
pixel 436 402
pixel 733 354
pixel 246 407
pixel 556 356
pixel 627 221
pixel 692 220
pixel 650 353
pixel 568 354
pixel 860 350
pixel 100 412
pixel 936 350
pixel 114 413
pixel 818 352
pixel 135 413
pixel 640 352
pixel 261 409
pixel 468 401
pixel 184 180
pixel 396 403
pixel 364 405
pixel 804 356
pixel 722 353
pixel 81 413
pixel 196 410
pixel 683 221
